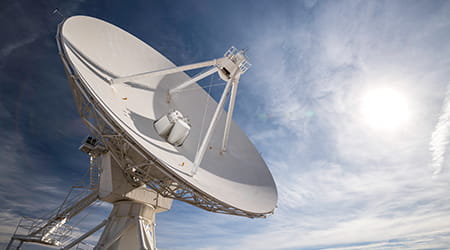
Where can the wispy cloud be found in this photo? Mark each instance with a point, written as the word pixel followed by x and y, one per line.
pixel 441 136
pixel 340 183
pixel 9 48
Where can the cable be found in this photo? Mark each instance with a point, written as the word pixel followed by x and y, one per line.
pixel 204 112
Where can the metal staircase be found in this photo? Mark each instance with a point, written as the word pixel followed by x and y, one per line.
pixel 52 229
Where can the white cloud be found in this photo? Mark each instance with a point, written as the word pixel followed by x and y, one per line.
pixel 362 187
pixel 8 49
pixel 340 184
pixel 440 136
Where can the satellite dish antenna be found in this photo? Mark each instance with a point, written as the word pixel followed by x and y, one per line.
pixel 156 141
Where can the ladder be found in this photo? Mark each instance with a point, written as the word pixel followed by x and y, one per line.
pixel 94 173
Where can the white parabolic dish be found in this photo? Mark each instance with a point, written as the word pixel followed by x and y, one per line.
pixel 99 51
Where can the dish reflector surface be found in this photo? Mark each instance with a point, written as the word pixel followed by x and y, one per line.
pixel 99 51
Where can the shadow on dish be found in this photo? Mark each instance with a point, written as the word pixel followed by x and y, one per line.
pixel 139 86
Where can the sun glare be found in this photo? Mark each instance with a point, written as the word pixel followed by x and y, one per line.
pixel 384 108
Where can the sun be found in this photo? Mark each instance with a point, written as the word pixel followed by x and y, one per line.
pixel 384 108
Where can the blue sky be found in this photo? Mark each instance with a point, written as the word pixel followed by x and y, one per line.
pixel 342 183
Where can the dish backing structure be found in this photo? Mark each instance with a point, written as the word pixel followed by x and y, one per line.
pixel 157 136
